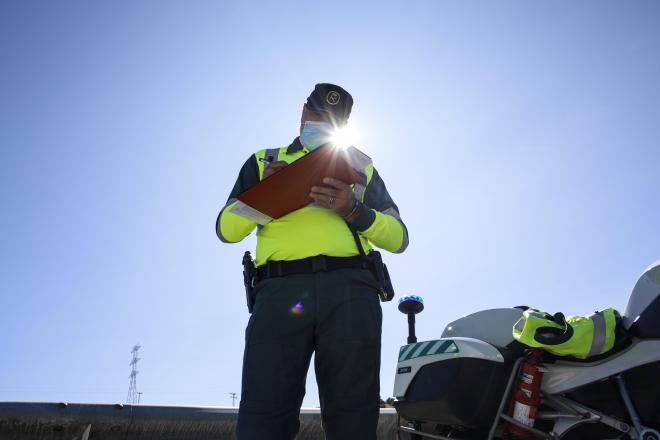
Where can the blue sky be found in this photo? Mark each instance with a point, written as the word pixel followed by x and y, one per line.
pixel 519 139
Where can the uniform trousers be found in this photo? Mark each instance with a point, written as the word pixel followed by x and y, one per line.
pixel 337 316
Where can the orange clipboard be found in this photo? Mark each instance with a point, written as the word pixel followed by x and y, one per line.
pixel 288 189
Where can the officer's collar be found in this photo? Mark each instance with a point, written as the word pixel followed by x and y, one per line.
pixel 295 146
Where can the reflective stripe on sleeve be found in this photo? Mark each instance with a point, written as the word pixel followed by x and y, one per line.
pixel 218 229
pixel 360 187
pixel 404 242
pixel 600 329
pixel 393 212
pixel 358 191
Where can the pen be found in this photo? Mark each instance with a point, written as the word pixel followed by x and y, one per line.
pixel 266 161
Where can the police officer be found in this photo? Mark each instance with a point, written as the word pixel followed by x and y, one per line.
pixel 314 294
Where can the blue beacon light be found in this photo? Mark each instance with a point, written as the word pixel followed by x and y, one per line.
pixel 411 305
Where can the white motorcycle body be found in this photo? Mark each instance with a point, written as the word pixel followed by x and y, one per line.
pixel 459 380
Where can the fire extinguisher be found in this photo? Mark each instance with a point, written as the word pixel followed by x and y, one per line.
pixel 526 396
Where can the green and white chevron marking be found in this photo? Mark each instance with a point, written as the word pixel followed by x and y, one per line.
pixel 427 348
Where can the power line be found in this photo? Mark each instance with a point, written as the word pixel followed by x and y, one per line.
pixel 233 399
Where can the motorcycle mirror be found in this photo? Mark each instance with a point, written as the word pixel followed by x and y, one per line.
pixel 411 305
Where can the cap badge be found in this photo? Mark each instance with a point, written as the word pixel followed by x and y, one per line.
pixel 333 97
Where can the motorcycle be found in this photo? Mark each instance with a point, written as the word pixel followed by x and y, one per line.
pixel 463 386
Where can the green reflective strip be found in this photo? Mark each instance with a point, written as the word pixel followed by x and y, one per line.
pixel 409 349
pixel 421 347
pixel 427 349
pixel 443 348
pixel 409 355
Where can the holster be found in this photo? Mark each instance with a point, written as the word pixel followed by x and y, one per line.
pixel 249 279
pixel 377 268
pixel 380 272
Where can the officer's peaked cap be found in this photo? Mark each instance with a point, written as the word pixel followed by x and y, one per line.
pixel 331 99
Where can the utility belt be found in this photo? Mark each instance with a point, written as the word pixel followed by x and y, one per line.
pixel 319 263
pixel 373 262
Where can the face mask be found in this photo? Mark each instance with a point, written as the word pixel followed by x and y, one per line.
pixel 315 133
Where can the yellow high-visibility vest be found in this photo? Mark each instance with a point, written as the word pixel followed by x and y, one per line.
pixel 579 336
pixel 313 230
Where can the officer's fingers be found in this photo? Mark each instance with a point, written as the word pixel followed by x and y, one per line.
pixel 326 190
pixel 325 199
pixel 335 183
pixel 321 198
pixel 328 201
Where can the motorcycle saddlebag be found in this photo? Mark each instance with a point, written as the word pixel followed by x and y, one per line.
pixel 463 391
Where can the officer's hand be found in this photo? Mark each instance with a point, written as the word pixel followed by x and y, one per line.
pixel 274 167
pixel 335 195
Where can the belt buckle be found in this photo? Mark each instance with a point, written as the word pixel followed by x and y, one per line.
pixel 319 264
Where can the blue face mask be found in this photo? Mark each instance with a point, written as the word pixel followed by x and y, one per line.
pixel 315 133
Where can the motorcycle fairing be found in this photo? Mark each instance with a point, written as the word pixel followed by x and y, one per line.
pixel 643 296
pixel 492 325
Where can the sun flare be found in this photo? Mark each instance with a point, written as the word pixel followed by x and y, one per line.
pixel 344 137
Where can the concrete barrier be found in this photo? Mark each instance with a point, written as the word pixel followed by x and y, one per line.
pixel 82 421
